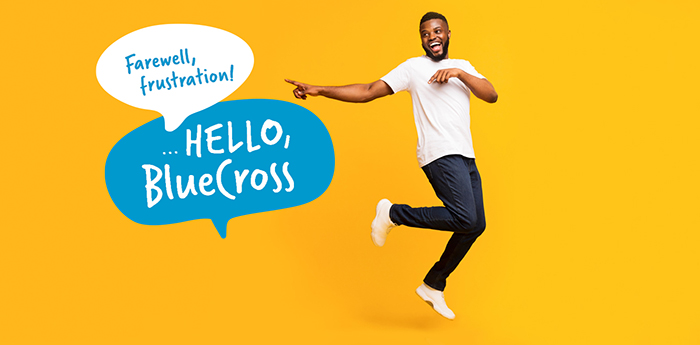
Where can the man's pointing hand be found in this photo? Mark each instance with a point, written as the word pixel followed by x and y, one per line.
pixel 303 90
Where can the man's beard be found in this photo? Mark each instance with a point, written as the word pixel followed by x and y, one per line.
pixel 437 58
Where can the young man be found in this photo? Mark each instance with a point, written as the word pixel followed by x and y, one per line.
pixel 440 90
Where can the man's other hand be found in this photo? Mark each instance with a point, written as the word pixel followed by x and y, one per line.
pixel 443 75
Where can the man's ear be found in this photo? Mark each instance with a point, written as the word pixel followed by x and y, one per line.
pixel 449 34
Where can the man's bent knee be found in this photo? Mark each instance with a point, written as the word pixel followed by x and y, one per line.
pixel 466 225
pixel 480 229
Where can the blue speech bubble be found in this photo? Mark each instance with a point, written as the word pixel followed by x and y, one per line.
pixel 232 159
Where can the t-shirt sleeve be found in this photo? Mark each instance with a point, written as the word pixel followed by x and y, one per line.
pixel 467 67
pixel 398 78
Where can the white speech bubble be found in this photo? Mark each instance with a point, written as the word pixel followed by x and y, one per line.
pixel 174 69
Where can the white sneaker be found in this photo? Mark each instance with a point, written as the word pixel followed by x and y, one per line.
pixel 382 224
pixel 436 300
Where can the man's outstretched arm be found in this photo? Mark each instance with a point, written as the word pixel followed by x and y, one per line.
pixel 356 93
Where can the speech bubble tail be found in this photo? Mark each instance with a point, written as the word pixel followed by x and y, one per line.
pixel 173 121
pixel 220 225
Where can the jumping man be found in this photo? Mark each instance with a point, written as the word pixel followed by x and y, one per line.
pixel 440 89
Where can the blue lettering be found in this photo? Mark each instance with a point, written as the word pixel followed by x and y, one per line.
pixel 199 75
pixel 160 84
pixel 128 63
pixel 222 76
pixel 143 86
pixel 174 79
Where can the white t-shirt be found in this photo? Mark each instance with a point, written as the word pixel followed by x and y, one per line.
pixel 441 111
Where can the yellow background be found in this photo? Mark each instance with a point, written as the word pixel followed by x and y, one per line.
pixel 589 166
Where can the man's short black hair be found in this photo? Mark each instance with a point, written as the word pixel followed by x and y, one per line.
pixel 433 15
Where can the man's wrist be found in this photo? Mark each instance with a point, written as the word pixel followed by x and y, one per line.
pixel 463 75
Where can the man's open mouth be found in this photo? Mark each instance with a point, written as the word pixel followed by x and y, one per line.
pixel 435 46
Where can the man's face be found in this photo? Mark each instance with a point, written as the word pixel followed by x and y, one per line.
pixel 436 38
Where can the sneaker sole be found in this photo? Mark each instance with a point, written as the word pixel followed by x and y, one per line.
pixel 430 302
pixel 374 221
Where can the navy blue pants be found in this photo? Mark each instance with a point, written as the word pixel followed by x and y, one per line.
pixel 457 183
